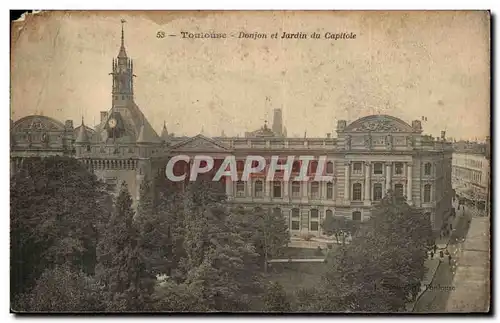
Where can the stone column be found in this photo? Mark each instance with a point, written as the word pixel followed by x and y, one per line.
pixel 347 186
pixel 388 183
pixel 409 182
pixel 249 188
pixel 367 182
pixel 229 187
pixel 267 189
pixel 305 189
pixel 286 187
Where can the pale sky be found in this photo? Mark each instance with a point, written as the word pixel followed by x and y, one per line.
pixel 409 65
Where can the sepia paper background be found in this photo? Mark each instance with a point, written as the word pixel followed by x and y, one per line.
pixel 405 64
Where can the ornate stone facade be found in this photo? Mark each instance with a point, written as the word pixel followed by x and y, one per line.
pixel 368 157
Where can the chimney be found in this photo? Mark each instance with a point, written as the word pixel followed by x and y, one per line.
pixel 104 116
pixel 69 124
pixel 277 122
pixel 443 135
pixel 328 135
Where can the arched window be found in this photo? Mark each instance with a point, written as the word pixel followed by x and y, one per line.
pixel 356 192
pixel 356 216
pixel 377 191
pixel 329 167
pixel 313 167
pixel 277 212
pixel 296 167
pixel 240 165
pixel 329 213
pixel 314 190
pixel 258 188
pixel 295 219
pixel 296 189
pixel 427 169
pixel 329 190
pixel 314 223
pixel 398 189
pixel 240 188
pixel 277 189
pixel 427 193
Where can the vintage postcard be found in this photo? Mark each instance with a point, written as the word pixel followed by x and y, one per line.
pixel 250 161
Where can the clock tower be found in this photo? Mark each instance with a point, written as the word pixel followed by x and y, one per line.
pixel 123 77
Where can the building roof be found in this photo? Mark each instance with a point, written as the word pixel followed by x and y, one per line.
pixel 379 123
pixel 82 136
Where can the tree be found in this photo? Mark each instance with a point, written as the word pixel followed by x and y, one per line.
pixel 381 269
pixel 56 208
pixel 340 227
pixel 178 297
pixel 122 269
pixel 62 289
pixel 267 231
pixel 275 298
pixel 220 262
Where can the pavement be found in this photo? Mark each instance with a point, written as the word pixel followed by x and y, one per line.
pixel 461 285
pixel 471 282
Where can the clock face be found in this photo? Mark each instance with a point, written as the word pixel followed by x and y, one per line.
pixel 112 123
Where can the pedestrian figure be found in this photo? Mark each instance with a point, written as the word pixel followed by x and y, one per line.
pixel 446 252
pixel 449 259
pixel 432 255
pixel 434 248
pixel 451 226
pixel 441 254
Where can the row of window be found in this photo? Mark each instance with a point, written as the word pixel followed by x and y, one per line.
pixel 296 166
pixel 314 190
pixel 468 174
pixel 377 191
pixel 314 221
pixel 277 189
pixel 378 168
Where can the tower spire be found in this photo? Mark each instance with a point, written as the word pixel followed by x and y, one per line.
pixel 122 52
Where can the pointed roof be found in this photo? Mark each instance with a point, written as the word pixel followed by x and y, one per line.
pixel 82 134
pixel 147 134
pixel 164 131
pixel 123 52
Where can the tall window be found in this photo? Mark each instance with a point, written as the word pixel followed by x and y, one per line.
pixel 427 193
pixel 276 189
pixel 313 167
pixel 296 167
pixel 356 216
pixel 329 190
pixel 329 213
pixel 398 168
pixel 296 189
pixel 314 190
pixel 314 220
pixel 357 168
pixel 427 169
pixel 259 189
pixel 295 219
pixel 240 188
pixel 398 189
pixel 356 192
pixel 377 191
pixel 329 167
pixel 377 168
pixel 240 165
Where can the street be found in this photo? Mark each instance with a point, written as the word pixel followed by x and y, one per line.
pixel 435 299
